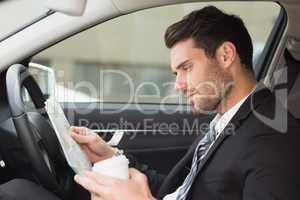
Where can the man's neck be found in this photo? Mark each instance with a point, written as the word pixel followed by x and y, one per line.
pixel 239 90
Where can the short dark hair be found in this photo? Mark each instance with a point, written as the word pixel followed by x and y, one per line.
pixel 210 27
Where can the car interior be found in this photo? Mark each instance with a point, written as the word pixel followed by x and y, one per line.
pixel 29 147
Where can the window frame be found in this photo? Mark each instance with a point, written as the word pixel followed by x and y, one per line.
pixel 271 45
pixel 263 63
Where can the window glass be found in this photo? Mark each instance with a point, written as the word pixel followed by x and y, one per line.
pixel 125 59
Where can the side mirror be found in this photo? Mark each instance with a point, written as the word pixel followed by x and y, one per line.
pixel 45 77
pixel 69 7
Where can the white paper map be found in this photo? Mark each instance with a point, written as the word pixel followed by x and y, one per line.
pixel 76 158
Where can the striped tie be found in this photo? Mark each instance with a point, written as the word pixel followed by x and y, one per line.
pixel 200 152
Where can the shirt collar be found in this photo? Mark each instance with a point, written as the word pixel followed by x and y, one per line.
pixel 220 121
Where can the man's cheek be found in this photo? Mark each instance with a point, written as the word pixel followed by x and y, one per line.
pixel 193 79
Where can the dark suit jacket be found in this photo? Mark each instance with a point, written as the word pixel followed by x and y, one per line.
pixel 254 161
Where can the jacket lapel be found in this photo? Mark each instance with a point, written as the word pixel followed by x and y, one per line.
pixel 174 177
pixel 213 148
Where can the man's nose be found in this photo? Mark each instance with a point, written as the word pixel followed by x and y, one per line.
pixel 181 83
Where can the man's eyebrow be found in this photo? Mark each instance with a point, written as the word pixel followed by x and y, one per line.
pixel 180 65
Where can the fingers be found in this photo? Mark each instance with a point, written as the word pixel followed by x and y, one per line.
pixel 141 180
pixel 133 172
pixel 90 185
pixel 102 179
pixel 106 187
pixel 87 184
pixel 83 135
pixel 97 184
pixel 84 139
pixel 136 175
pixel 79 130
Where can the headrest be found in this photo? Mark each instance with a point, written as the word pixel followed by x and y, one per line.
pixel 293 71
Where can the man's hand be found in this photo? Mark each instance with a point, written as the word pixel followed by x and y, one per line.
pixel 104 187
pixel 92 144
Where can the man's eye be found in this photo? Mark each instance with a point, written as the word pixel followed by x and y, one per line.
pixel 187 67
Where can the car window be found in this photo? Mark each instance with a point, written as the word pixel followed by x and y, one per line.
pixel 125 60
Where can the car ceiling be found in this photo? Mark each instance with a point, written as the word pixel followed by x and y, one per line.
pixel 58 26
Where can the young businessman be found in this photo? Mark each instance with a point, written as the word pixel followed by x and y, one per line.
pixel 250 151
pixel 243 155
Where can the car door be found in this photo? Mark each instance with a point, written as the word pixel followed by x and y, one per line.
pixel 115 79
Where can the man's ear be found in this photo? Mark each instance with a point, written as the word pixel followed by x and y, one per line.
pixel 226 54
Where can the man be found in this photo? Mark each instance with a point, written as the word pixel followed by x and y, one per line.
pixel 244 154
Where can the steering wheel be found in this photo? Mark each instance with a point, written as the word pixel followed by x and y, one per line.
pixel 35 132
